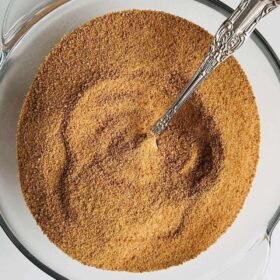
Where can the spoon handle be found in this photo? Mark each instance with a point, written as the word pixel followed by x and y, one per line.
pixel 230 36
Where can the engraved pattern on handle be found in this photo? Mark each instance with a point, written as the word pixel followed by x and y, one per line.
pixel 224 43
pixel 266 10
pixel 229 37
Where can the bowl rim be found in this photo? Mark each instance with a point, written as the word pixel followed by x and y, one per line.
pixel 275 62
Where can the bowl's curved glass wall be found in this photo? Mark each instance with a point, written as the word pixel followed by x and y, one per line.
pixel 20 69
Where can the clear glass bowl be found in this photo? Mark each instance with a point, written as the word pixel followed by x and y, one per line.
pixel 27 40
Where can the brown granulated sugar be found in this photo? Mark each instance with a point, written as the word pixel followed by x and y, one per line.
pixel 100 186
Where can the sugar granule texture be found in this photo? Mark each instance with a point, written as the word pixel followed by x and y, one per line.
pixel 100 186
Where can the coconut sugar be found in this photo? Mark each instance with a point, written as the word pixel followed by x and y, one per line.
pixel 99 184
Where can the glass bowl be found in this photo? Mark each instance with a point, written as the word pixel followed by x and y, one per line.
pixel 29 32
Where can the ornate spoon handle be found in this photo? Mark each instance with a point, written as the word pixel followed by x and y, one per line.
pixel 230 36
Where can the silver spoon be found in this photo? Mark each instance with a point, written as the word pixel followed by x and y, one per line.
pixel 230 36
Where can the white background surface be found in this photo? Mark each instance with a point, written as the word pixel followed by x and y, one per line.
pixel 14 266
